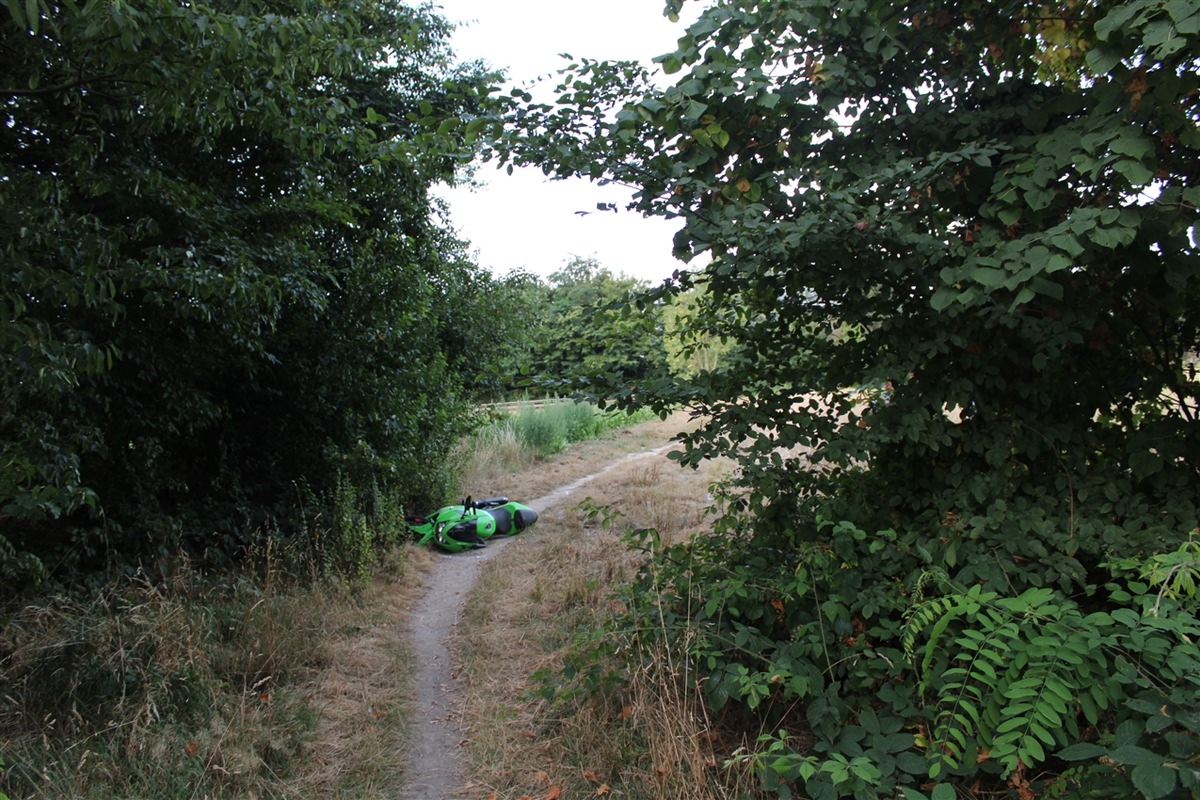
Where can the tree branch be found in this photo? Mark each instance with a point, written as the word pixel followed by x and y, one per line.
pixel 62 87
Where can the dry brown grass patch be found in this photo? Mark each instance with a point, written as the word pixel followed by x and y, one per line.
pixel 487 477
pixel 362 696
pixel 650 738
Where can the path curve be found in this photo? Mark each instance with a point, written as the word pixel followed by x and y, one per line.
pixel 436 767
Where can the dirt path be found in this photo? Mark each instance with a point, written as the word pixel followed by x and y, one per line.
pixel 436 766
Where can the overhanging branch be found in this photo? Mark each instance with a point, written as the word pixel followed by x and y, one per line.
pixel 62 87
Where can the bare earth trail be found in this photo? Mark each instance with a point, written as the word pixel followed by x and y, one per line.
pixel 435 764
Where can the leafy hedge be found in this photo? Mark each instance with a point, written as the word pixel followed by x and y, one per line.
pixel 226 283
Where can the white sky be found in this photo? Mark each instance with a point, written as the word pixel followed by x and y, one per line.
pixel 524 221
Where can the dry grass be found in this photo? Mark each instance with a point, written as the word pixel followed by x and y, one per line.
pixel 486 477
pixel 194 688
pixel 648 739
pixel 362 696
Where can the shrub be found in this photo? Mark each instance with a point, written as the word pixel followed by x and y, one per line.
pixel 869 669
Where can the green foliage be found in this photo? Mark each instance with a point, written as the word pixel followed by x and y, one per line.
pixel 544 432
pixel 1175 574
pixel 1017 667
pixel 991 211
pixel 921 678
pixel 593 326
pixel 224 274
pixel 517 329
pixel 693 342
pixel 364 530
pixel 780 766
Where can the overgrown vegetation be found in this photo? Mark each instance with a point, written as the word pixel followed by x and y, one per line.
pixel 520 433
pixel 578 321
pixel 225 277
pixel 185 683
pixel 954 254
pixel 647 734
pixel 955 291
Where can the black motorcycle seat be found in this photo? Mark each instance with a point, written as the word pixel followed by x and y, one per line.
pixel 504 520
pixel 488 502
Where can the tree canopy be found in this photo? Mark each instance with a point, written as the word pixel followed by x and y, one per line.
pixel 226 287
pixel 955 251
pixel 587 328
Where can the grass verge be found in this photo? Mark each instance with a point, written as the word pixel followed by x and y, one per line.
pixel 259 683
pixel 517 439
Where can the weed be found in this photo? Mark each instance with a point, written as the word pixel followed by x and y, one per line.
pixel 515 441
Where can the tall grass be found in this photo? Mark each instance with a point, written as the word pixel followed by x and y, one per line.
pixel 191 684
pixel 516 439
pixel 151 690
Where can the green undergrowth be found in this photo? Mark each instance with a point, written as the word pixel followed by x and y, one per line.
pixel 866 670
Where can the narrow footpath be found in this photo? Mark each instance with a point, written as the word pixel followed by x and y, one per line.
pixel 436 764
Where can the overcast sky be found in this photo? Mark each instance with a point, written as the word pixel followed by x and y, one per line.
pixel 523 221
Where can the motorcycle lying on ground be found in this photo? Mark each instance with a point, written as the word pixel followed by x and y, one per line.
pixel 470 524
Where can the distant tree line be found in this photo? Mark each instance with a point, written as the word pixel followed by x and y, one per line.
pixel 584 325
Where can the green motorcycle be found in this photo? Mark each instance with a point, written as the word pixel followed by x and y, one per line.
pixel 470 524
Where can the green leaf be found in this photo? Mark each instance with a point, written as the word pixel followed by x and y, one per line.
pixel 1010 215
pixel 1136 173
pixel 912 763
pixel 18 17
pixel 1068 244
pixel 943 298
pixel 1057 262
pixel 989 277
pixel 671 63
pixel 1114 21
pixel 1132 754
pixel 943 791
pixel 1023 296
pixel 1154 781
pixel 1039 198
pixel 1081 751
pixel 1131 142
pixel 896 742
pixel 1181 12
pixel 33 14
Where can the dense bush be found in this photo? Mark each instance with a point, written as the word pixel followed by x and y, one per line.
pixel 225 279
pixel 581 321
pixel 954 253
